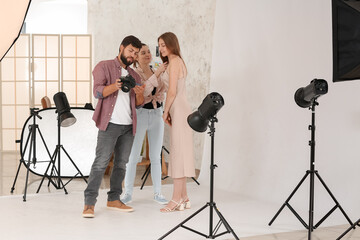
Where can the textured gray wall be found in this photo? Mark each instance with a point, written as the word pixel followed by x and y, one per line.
pixel 192 21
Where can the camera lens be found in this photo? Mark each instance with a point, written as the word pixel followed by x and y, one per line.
pixel 125 88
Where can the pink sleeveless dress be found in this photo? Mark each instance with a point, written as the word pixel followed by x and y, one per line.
pixel 181 162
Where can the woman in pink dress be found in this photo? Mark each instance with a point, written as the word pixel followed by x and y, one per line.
pixel 177 109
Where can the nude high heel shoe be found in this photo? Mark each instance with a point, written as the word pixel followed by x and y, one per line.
pixel 179 206
pixel 187 203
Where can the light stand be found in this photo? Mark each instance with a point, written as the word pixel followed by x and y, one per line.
pixel 312 173
pixel 347 230
pixel 212 231
pixel 32 150
pixel 56 172
pixel 65 119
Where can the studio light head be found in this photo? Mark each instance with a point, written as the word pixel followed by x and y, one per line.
pixel 66 118
pixel 304 96
pixel 211 104
pixel 199 121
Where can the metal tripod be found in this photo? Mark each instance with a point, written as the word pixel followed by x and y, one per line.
pixel 212 231
pixel 33 128
pixel 312 173
pixel 55 171
pixel 347 230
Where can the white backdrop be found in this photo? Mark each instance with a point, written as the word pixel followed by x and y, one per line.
pixel 263 52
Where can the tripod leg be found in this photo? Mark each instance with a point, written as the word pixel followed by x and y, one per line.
pixel 52 162
pixel 325 217
pixel 53 170
pixel 227 226
pixel 288 199
pixel 43 140
pixel 17 173
pixel 348 230
pixel 195 180
pixel 181 224
pixel 28 166
pixel 26 181
pixel 147 174
pixel 60 183
pixel 74 164
pixel 51 157
pixel 21 161
pixel 146 171
pixel 334 199
pixel 45 174
pixel 49 177
pixel 311 204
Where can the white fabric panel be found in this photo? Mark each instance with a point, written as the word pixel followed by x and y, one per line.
pixel 79 141
pixel 263 52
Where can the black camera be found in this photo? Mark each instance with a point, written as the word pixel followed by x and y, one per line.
pixel 128 82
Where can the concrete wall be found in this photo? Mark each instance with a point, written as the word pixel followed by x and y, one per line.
pixel 192 21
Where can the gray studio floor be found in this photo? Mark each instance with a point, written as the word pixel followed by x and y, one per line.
pixel 52 214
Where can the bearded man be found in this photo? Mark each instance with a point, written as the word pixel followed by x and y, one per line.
pixel 115 116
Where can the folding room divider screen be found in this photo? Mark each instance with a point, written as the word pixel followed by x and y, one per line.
pixel 41 65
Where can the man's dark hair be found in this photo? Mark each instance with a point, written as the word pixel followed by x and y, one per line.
pixel 134 41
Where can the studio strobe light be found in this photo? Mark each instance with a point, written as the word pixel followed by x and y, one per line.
pixel 211 104
pixel 199 121
pixel 306 97
pixel 65 119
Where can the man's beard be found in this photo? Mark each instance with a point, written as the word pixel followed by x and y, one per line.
pixel 124 60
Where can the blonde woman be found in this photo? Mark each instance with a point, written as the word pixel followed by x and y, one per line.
pixel 148 120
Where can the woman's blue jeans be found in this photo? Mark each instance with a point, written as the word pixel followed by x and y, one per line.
pixel 150 121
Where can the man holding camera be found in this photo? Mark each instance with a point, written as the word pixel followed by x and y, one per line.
pixel 117 88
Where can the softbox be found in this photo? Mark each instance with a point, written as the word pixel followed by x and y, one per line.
pixel 346 40
pixel 12 17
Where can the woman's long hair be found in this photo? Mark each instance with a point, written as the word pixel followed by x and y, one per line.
pixel 172 44
pixel 136 62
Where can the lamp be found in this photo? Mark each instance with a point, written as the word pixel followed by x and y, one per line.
pixel 211 104
pixel 304 96
pixel 198 121
pixel 66 118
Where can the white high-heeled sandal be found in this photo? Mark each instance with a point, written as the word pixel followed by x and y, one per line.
pixel 187 203
pixel 178 207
